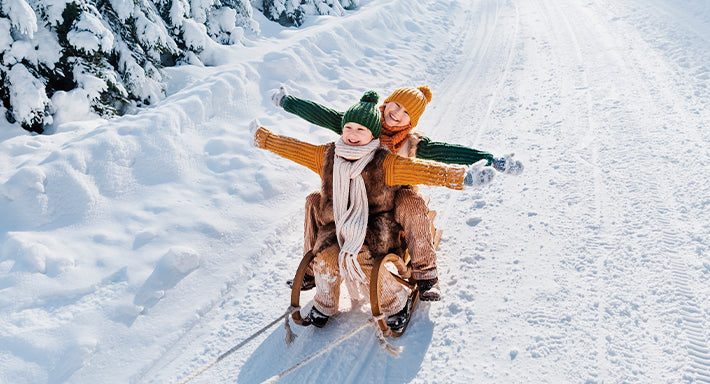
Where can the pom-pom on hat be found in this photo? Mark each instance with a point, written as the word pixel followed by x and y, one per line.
pixel 365 113
pixel 414 100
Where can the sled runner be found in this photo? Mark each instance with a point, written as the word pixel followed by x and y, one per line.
pixel 402 265
pixel 402 273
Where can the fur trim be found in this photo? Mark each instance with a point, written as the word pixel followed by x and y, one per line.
pixel 383 230
pixel 414 138
pixel 383 235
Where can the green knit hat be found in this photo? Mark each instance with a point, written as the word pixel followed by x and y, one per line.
pixel 366 113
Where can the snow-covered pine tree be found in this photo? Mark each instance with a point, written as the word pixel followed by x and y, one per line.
pixel 142 45
pixel 224 19
pixel 350 4
pixel 106 53
pixel 191 21
pixel 74 51
pixel 24 59
pixel 292 12
pixel 105 56
pixel 85 67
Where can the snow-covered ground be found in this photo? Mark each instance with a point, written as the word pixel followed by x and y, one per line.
pixel 139 249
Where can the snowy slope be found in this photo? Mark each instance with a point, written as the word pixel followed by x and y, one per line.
pixel 139 249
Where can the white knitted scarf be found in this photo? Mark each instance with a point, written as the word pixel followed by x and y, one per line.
pixel 350 208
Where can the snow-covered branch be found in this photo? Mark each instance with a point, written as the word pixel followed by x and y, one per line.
pixel 108 54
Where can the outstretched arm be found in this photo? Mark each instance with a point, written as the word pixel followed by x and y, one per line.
pixel 308 110
pixel 308 155
pixel 458 154
pixel 450 153
pixel 399 170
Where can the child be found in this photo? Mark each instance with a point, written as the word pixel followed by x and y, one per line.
pixel 355 216
pixel 400 114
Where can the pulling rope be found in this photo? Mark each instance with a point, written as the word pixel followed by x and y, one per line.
pixel 290 336
pixel 275 378
pixel 389 348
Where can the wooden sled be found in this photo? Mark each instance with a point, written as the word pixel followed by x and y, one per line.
pixel 403 275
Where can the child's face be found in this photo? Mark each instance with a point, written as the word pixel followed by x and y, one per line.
pixel 395 115
pixel 356 134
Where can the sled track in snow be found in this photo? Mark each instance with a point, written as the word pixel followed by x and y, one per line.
pixel 690 319
pixel 506 70
pixel 483 47
pixel 658 22
pixel 675 240
pixel 693 323
pixel 614 302
pixel 668 212
pixel 588 258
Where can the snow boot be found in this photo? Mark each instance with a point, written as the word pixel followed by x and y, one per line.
pixel 399 320
pixel 316 317
pixel 308 283
pixel 429 289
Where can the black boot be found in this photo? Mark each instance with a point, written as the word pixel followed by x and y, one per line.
pixel 429 289
pixel 399 320
pixel 316 317
pixel 309 282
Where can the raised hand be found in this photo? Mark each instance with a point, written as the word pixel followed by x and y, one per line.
pixel 507 164
pixel 253 127
pixel 278 97
pixel 478 174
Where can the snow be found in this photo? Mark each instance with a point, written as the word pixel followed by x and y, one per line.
pixel 53 10
pixel 139 249
pixel 22 16
pixel 124 8
pixel 45 51
pixel 152 34
pixel 23 86
pixel 90 35
pixel 5 38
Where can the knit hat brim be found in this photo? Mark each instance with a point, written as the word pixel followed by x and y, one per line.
pixel 366 113
pixel 414 100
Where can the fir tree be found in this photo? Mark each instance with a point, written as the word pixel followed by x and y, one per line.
pixel 106 55
pixel 25 61
pixel 293 12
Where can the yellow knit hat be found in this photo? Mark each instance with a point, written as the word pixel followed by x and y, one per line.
pixel 414 100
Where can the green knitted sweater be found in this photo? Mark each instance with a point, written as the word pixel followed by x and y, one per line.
pixel 426 149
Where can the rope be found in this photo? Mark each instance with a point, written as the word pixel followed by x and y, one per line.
pixel 219 358
pixel 389 348
pixel 310 358
pixel 290 336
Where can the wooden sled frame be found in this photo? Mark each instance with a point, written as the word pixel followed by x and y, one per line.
pixel 403 275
